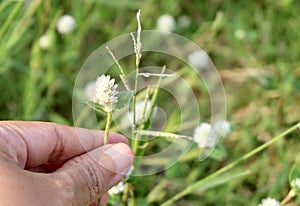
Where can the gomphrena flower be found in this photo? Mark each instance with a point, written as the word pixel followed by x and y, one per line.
pixel 44 41
pixel 117 189
pixel 269 202
pixel 205 136
pixel 105 93
pixel 297 183
pixel 199 59
pixel 222 128
pixel 166 23
pixel 65 24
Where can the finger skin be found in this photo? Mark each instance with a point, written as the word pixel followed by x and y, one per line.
pixel 32 144
pixel 88 168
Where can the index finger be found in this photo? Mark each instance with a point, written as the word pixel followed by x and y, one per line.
pixel 32 144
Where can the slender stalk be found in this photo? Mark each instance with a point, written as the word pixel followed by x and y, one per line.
pixel 289 196
pixel 107 127
pixel 122 75
pixel 10 18
pixel 163 134
pixel 125 195
pixel 137 50
pixel 194 186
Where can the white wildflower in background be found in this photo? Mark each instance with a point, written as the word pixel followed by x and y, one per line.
pixel 269 202
pixel 199 59
pixel 184 21
pixel 297 183
pixel 65 24
pixel 106 91
pixel 166 23
pixel 44 41
pixel 240 34
pixel 90 90
pixel 121 186
pixel 139 109
pixel 117 189
pixel 205 136
pixel 222 128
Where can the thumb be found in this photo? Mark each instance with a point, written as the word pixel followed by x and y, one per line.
pixel 87 177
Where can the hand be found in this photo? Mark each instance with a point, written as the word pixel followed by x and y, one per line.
pixel 50 164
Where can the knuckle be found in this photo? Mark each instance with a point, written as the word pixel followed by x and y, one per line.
pixel 84 179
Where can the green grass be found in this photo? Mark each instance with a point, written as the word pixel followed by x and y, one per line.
pixel 261 75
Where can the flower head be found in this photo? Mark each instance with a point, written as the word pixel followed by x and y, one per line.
pixel 222 128
pixel 139 109
pixel 184 21
pixel 105 93
pixel 166 23
pixel 297 183
pixel 269 202
pixel 205 136
pixel 199 59
pixel 117 189
pixel 65 24
pixel 44 41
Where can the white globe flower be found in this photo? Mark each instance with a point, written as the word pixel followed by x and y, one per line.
pixel 106 91
pixel 297 183
pixel 269 202
pixel 240 34
pixel 44 41
pixel 117 189
pixel 199 59
pixel 166 23
pixel 65 24
pixel 222 128
pixel 205 136
pixel 139 109
pixel 184 21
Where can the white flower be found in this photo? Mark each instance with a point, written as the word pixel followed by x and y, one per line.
pixel 297 183
pixel 205 136
pixel 184 21
pixel 65 24
pixel 240 34
pixel 90 90
pixel 117 189
pixel 44 41
pixel 106 91
pixel 269 202
pixel 199 59
pixel 139 109
pixel 222 128
pixel 166 23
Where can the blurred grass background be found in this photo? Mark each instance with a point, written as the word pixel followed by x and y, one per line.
pixel 254 45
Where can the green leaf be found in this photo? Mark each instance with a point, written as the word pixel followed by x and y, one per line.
pixel 295 174
pixel 221 180
pixel 219 153
pixel 95 106
pixel 123 99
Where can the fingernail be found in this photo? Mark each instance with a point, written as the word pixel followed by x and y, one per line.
pixel 122 157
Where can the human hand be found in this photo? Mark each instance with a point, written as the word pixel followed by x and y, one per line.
pixel 50 164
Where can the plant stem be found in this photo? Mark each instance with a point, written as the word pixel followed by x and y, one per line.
pixel 107 127
pixel 194 186
pixel 289 196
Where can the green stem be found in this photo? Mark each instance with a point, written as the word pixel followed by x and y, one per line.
pixel 107 127
pixel 10 18
pixel 194 186
pixel 289 196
